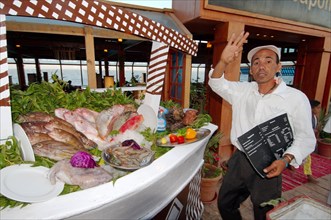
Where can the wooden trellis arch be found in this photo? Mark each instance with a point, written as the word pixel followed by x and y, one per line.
pixel 94 13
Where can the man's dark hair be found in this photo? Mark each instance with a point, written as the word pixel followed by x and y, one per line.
pixel 314 103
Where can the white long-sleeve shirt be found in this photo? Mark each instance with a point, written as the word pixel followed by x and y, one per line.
pixel 249 109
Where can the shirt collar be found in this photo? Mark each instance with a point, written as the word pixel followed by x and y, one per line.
pixel 280 90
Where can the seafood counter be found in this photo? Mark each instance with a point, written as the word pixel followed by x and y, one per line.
pixel 140 194
pixel 96 155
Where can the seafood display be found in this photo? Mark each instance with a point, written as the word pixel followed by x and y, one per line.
pixel 59 137
pixel 83 177
pixel 128 155
pixel 73 132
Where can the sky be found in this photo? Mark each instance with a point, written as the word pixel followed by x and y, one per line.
pixel 149 3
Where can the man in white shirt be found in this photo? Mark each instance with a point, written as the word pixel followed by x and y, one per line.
pixel 254 103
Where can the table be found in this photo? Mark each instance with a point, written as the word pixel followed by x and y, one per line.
pixel 140 195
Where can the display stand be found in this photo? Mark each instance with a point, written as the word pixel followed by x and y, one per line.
pixel 142 194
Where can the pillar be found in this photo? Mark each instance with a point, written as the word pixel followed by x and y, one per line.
pixel 90 57
pixel 219 109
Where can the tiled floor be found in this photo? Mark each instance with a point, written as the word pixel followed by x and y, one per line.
pixel 318 191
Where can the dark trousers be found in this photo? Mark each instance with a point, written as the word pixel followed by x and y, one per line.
pixel 242 181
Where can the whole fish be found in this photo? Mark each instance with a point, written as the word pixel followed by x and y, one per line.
pixel 87 114
pixel 66 137
pixel 85 127
pixel 36 137
pixel 106 117
pixel 51 125
pixel 55 150
pixel 40 116
pixel 35 116
pixel 34 127
pixel 59 112
pixel 80 123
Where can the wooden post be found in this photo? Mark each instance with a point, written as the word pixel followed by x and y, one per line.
pixel 90 57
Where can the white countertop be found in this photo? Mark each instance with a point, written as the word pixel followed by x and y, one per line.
pixel 124 89
pixel 139 195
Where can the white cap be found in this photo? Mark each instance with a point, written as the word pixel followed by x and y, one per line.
pixel 253 51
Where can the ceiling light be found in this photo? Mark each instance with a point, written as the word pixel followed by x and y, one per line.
pixel 119 39
pixel 105 50
pixel 18 45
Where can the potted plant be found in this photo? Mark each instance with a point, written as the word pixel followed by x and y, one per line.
pixel 212 173
pixel 323 138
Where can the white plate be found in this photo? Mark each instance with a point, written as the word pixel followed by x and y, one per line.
pixel 25 145
pixel 150 117
pixel 28 184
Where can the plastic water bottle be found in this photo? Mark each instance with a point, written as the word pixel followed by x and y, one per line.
pixel 161 121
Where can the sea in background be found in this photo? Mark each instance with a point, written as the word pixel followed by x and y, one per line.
pixel 76 71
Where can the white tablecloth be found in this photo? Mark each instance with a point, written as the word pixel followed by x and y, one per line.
pixel 140 195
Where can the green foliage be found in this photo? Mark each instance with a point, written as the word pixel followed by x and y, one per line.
pixel 211 148
pixel 169 104
pixel 10 153
pixel 323 119
pixel 272 202
pixel 201 120
pixel 46 97
pixel 198 96
pixel 208 172
pixel 211 157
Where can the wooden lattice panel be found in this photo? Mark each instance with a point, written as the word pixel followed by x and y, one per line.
pixel 102 15
pixel 157 68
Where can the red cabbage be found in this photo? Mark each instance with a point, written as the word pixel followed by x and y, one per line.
pixel 131 143
pixel 83 160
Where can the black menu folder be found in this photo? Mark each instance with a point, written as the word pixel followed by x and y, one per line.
pixel 267 142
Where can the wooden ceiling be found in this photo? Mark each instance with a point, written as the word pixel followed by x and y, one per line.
pixel 56 46
pixel 53 46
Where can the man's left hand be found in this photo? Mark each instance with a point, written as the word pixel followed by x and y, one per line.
pixel 275 169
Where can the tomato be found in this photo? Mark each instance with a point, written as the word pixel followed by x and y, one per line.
pixel 181 139
pixel 190 133
pixel 173 138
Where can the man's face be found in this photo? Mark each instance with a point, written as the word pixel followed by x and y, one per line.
pixel 264 66
pixel 317 110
